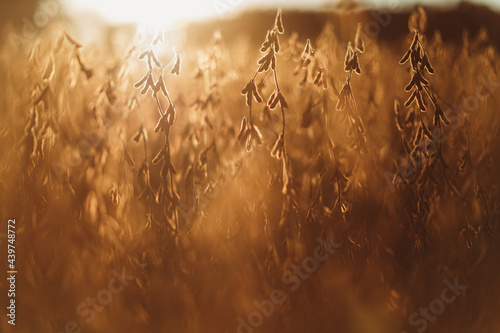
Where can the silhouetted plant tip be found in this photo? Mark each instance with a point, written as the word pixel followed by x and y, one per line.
pixel 346 100
pixel 249 132
pixel 166 189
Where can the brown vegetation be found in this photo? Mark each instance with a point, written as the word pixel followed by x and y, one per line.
pixel 208 219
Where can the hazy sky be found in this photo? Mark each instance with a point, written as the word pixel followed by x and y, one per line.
pixel 314 3
pixel 169 12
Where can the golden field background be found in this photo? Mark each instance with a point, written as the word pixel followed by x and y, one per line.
pixel 72 165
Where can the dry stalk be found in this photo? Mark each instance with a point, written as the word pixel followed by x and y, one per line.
pixel 166 192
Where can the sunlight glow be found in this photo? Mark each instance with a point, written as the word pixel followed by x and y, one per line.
pixel 157 13
pixel 168 14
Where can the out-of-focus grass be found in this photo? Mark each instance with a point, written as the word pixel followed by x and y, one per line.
pixel 61 158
